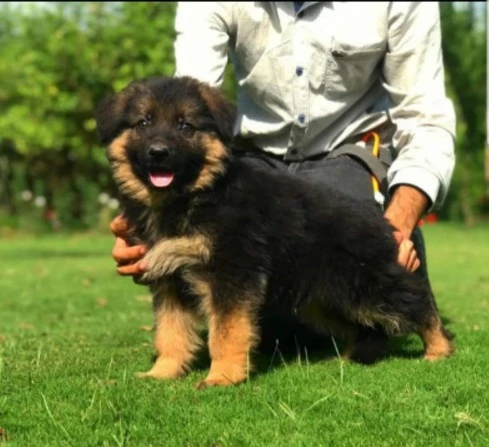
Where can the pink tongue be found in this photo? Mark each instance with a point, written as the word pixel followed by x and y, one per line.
pixel 161 179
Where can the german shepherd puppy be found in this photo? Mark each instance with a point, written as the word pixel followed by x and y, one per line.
pixel 227 238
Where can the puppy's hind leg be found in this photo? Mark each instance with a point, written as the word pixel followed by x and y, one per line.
pixel 176 338
pixel 407 306
pixel 436 339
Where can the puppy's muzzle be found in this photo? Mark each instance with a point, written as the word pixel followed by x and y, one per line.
pixel 158 159
pixel 158 152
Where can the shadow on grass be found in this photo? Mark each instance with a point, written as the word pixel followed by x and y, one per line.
pixel 286 342
pixel 276 352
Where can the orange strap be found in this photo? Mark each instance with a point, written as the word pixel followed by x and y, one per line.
pixel 375 150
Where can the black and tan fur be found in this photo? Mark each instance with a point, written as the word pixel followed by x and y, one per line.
pixel 227 238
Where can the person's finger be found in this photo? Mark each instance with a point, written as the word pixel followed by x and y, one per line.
pixel 407 256
pixel 123 253
pixel 411 259
pixel 403 253
pixel 416 265
pixel 413 263
pixel 119 226
pixel 131 269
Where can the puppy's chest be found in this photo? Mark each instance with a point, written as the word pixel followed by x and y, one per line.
pixel 176 244
pixel 151 227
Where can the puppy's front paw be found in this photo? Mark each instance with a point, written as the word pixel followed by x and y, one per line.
pixel 157 265
pixel 214 381
pixel 149 275
pixel 163 369
pixel 223 377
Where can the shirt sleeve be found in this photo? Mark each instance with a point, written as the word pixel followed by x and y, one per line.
pixel 202 35
pixel 423 115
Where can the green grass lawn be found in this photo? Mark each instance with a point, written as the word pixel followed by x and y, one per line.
pixel 73 334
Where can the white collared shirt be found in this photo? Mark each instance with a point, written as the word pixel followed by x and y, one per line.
pixel 308 82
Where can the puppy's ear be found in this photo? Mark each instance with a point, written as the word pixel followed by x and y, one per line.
pixel 108 117
pixel 222 110
pixel 113 111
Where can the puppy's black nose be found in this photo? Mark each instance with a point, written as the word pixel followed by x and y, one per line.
pixel 158 151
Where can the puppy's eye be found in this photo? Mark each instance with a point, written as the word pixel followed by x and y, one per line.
pixel 145 122
pixel 185 127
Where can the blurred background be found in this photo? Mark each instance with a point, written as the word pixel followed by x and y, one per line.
pixel 59 59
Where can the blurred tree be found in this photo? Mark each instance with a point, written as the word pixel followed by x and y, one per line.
pixel 486 169
pixel 464 51
pixel 57 63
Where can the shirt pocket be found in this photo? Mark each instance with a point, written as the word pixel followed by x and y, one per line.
pixel 351 69
pixel 269 82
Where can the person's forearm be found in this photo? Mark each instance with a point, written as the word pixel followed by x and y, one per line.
pixel 406 207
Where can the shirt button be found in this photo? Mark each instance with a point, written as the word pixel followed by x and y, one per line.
pixel 301 118
pixel 293 151
pixel 299 71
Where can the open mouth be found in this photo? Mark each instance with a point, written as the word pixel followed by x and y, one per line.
pixel 161 179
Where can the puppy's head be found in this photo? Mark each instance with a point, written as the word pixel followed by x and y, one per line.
pixel 166 135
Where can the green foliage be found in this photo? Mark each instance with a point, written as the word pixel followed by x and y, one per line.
pixel 57 64
pixel 464 51
pixel 60 61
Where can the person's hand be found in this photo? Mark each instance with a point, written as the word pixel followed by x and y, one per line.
pixel 407 256
pixel 128 258
pixel 404 211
